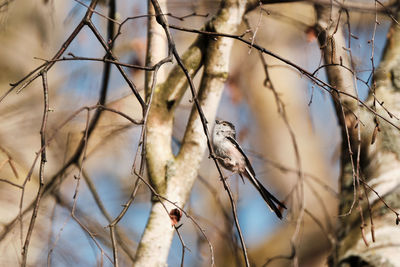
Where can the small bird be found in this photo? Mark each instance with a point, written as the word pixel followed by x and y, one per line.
pixel 232 157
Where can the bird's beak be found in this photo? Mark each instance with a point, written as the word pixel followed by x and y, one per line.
pixel 217 121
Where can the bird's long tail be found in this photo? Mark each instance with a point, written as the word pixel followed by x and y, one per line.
pixel 274 204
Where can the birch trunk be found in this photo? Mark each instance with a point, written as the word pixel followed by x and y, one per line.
pixel 172 176
pixel 377 164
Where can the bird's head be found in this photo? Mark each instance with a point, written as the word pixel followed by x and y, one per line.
pixel 225 128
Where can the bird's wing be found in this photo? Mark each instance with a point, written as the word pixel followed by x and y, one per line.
pixel 271 200
pixel 236 144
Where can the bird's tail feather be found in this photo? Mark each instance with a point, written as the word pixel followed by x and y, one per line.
pixel 274 204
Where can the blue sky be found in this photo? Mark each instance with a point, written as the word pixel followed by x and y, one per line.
pixel 255 218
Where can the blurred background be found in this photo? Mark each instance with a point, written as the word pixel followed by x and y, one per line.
pixel 31 31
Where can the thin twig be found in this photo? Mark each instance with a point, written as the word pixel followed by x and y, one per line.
pixel 41 169
pixel 160 198
pixel 325 86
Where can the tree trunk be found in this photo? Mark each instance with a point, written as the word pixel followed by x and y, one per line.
pixel 370 155
pixel 172 176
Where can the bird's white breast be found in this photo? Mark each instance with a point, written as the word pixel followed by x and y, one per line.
pixel 230 156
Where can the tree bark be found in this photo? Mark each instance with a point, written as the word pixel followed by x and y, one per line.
pixel 173 176
pixel 366 163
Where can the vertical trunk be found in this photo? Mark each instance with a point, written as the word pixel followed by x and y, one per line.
pixel 172 176
pixel 366 164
